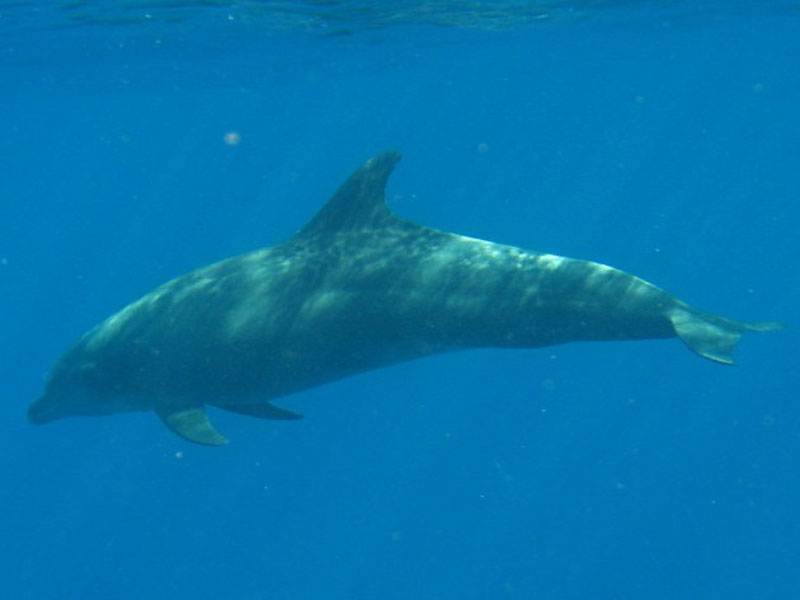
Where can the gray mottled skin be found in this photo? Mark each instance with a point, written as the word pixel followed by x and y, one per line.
pixel 358 288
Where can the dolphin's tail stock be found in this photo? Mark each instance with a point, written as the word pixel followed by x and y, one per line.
pixel 711 336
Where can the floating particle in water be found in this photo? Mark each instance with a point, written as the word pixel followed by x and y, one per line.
pixel 232 138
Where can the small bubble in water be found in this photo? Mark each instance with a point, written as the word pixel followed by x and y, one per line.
pixel 232 138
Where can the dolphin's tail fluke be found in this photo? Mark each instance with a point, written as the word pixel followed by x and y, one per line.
pixel 711 336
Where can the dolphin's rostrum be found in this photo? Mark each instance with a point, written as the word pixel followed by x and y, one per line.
pixel 358 288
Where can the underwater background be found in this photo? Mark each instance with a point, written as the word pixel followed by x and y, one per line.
pixel 139 140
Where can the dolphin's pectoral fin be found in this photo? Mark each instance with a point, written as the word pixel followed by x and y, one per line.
pixel 711 336
pixel 191 423
pixel 261 410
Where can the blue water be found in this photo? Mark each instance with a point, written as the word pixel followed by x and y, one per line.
pixel 661 138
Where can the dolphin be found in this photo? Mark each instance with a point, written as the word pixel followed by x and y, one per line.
pixel 356 289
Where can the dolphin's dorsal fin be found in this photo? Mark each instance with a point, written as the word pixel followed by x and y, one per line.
pixel 359 202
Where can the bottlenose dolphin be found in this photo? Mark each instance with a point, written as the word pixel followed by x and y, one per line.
pixel 356 289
